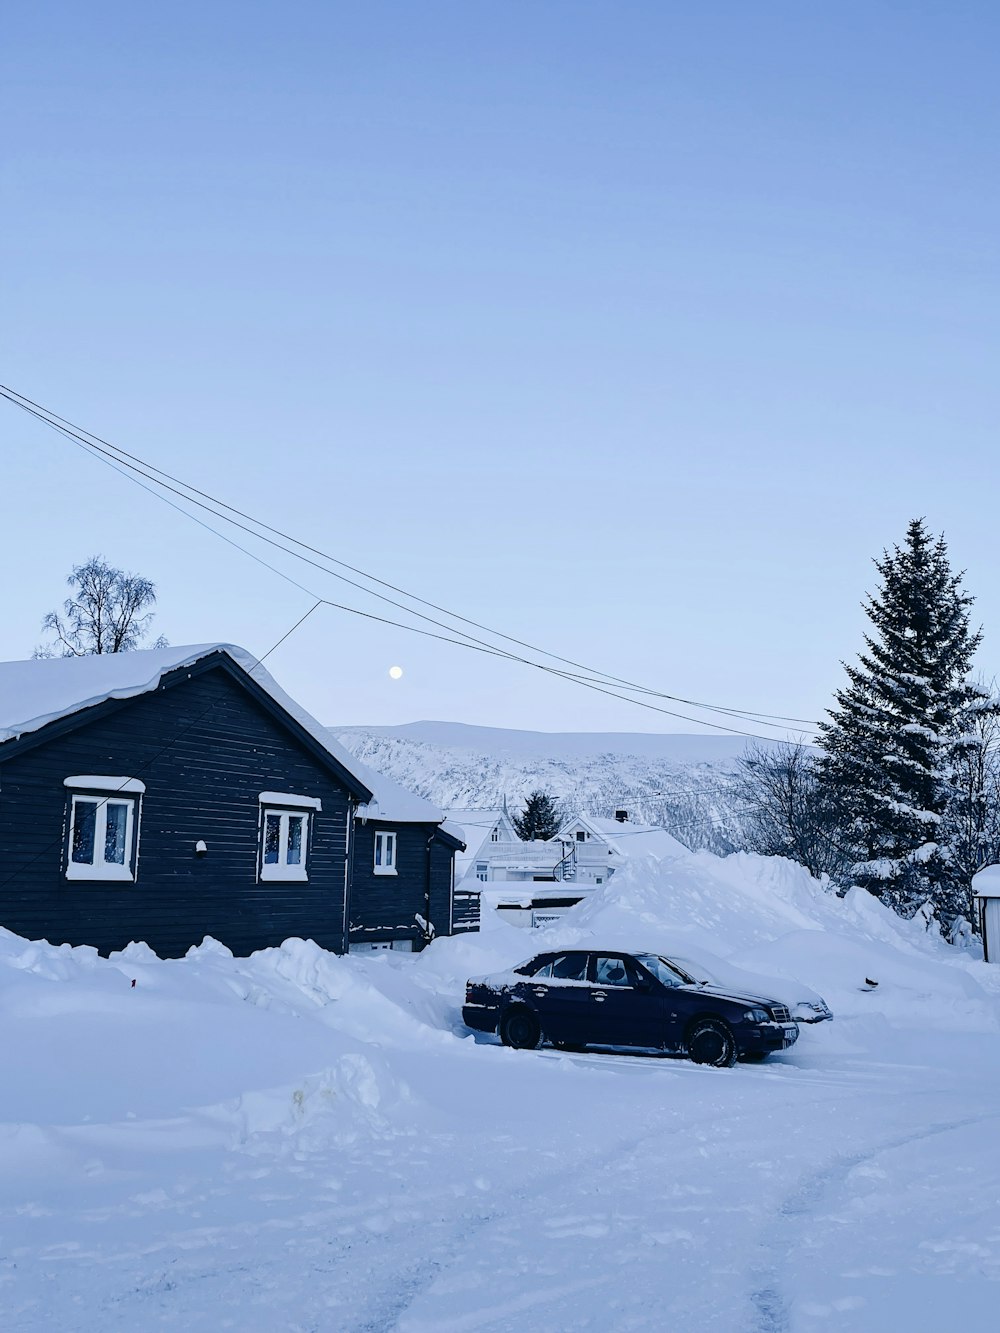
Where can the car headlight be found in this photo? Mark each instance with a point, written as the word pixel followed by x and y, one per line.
pixel 758 1016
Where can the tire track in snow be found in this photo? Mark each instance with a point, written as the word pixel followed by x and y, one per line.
pixel 769 1307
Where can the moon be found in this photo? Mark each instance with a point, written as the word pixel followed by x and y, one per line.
pixel 396 672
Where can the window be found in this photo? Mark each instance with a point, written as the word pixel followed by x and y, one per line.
pixel 482 871
pixel 495 835
pixel 103 828
pixel 284 834
pixel 611 972
pixel 284 844
pixel 661 969
pixel 385 852
pixel 570 967
pixel 581 835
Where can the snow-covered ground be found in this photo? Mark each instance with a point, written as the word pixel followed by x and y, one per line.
pixel 304 1142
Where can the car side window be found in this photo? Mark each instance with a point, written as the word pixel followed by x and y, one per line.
pixel 570 967
pixel 544 971
pixel 611 972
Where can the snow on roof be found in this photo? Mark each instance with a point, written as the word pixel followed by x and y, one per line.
pixel 455 830
pixel 474 828
pixel 630 839
pixel 476 819
pixel 986 883
pixel 40 691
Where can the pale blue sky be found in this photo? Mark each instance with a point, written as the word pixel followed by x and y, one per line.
pixel 634 329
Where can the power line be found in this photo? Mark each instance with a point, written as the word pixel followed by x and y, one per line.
pixel 472 644
pixel 154 474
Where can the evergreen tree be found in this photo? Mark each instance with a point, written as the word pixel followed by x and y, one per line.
pixel 902 728
pixel 541 818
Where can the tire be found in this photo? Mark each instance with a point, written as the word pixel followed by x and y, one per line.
pixel 710 1041
pixel 519 1029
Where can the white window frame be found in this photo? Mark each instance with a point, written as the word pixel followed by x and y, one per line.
pixel 99 869
pixel 384 858
pixel 281 871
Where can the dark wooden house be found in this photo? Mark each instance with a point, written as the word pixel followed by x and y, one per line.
pixel 167 795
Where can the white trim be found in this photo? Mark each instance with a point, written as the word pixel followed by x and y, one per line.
pixel 290 799
pixel 101 869
pixel 287 874
pixel 269 871
pixel 99 782
pixel 389 846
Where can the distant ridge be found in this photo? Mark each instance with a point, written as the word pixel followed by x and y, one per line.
pixel 678 748
pixel 682 783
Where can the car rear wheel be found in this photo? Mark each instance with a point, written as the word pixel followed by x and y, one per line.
pixel 711 1042
pixel 519 1028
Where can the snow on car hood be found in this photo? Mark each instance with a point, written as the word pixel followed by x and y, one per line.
pixel 728 993
pixel 800 1000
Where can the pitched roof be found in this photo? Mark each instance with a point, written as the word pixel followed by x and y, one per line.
pixel 630 839
pixel 40 691
pixel 475 827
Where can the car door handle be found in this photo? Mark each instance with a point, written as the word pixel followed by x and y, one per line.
pixel 539 991
pixel 599 995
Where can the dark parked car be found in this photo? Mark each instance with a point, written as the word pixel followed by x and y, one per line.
pixel 578 998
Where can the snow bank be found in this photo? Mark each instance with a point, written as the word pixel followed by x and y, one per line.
pixel 264 1045
pixel 93 1040
pixel 302 1140
pixel 772 923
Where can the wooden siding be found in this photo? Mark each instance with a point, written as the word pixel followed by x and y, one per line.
pixel 205 748
pixel 466 911
pixel 385 907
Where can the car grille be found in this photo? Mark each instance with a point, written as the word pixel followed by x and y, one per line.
pixel 781 1014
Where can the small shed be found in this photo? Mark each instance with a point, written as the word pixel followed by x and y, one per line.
pixel 986 891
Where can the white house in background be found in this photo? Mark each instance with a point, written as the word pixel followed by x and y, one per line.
pixel 621 838
pixel 529 883
pixel 483 830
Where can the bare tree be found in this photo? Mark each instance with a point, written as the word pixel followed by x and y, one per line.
pixel 785 812
pixel 704 821
pixel 109 612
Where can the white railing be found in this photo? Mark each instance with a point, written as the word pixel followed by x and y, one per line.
pixel 546 856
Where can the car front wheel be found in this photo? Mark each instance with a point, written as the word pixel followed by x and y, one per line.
pixel 711 1042
pixel 519 1028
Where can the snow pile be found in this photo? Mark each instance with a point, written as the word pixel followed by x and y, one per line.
pixel 771 923
pixel 88 1039
pixel 299 1140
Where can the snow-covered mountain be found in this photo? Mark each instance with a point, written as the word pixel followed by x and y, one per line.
pixel 678 781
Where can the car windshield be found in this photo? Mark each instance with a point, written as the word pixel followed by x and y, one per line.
pixel 662 970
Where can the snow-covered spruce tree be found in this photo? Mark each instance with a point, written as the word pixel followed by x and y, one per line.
pixel 901 732
pixel 540 818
